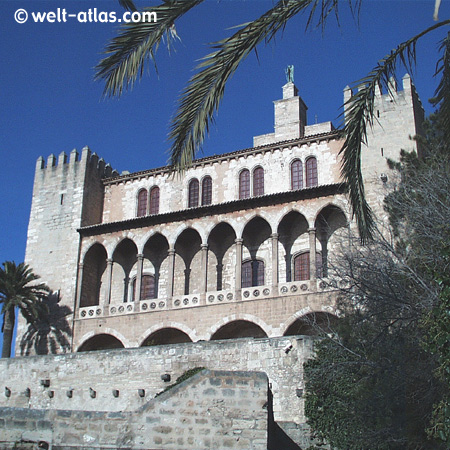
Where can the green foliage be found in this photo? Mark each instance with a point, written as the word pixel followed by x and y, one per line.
pixel 19 289
pixel 183 377
pixel 385 379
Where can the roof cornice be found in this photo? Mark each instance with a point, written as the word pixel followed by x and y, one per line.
pixel 334 134
pixel 211 210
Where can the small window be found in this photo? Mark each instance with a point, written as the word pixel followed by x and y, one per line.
pixel 244 184
pixel 252 273
pixel 258 181
pixel 154 200
pixel 193 193
pixel 207 191
pixel 142 203
pixel 301 267
pixel 296 175
pixel 311 172
pixel 147 287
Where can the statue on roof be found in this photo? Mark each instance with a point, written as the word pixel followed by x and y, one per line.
pixel 289 74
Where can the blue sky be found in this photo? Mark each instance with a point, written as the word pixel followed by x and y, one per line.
pixel 50 102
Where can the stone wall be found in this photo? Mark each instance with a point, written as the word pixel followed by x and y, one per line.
pixel 211 410
pixel 74 378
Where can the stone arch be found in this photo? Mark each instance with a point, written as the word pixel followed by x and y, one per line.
pixel 166 336
pixel 256 244
pixel 312 324
pixel 238 329
pixel 188 270
pixel 168 325
pixel 234 318
pixel 293 238
pixel 93 276
pixel 100 341
pixel 156 262
pixel 147 236
pixel 124 263
pixel 221 257
pixel 328 220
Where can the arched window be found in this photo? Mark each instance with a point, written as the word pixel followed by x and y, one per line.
pixel 311 172
pixel 193 193
pixel 154 200
pixel 142 203
pixel 258 181
pixel 207 191
pixel 296 175
pixel 244 184
pixel 147 287
pixel 301 266
pixel 252 273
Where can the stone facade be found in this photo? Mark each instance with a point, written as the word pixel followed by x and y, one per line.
pixel 238 246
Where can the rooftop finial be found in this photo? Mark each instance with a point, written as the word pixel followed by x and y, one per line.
pixel 289 74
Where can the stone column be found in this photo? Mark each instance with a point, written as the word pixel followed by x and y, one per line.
pixel 312 253
pixel 274 239
pixel 79 284
pixel 238 276
pixel 171 253
pixel 140 266
pixel 204 262
pixel 109 270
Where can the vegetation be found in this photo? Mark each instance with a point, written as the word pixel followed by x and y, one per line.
pixel 183 377
pixel 137 43
pixel 382 381
pixel 18 289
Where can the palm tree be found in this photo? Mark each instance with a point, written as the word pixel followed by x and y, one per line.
pixel 136 44
pixel 19 290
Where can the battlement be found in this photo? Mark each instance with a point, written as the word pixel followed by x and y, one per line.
pixel 64 162
pixel 393 96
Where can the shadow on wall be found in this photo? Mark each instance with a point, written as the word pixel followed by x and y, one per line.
pixel 277 437
pixel 50 334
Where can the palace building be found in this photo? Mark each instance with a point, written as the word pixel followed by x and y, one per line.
pixel 236 249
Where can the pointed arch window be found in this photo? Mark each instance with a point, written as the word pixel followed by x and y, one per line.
pixel 301 266
pixel 147 287
pixel 193 193
pixel 311 172
pixel 258 181
pixel 154 200
pixel 142 203
pixel 244 184
pixel 252 273
pixel 207 191
pixel 296 175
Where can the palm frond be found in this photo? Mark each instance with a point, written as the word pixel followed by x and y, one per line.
pixel 359 116
pixel 137 43
pixel 442 94
pixel 128 5
pixel 201 98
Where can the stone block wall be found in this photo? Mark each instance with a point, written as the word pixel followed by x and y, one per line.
pixel 211 410
pixel 73 378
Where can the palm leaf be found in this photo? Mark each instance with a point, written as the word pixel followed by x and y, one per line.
pixel 201 99
pixel 128 5
pixel 360 116
pixel 137 43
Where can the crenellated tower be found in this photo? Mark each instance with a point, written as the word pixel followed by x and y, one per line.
pixel 67 194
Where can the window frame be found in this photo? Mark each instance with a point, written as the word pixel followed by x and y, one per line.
pixel 311 174
pixel 207 190
pixel 258 181
pixel 244 185
pixel 154 200
pixel 142 204
pixel 193 193
pixel 297 176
